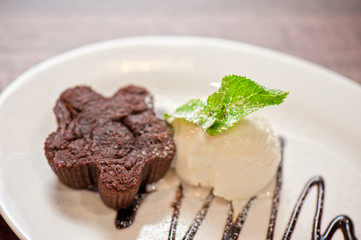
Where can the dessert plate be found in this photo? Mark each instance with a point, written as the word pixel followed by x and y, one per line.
pixel 320 122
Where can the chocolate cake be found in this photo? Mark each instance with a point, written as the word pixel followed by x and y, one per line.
pixel 114 144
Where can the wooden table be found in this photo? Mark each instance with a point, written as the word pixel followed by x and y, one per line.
pixel 327 32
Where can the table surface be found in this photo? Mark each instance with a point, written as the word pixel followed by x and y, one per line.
pixel 327 32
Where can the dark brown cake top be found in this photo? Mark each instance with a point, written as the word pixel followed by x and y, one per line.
pixel 115 144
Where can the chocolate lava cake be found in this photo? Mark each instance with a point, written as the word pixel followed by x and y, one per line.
pixel 114 144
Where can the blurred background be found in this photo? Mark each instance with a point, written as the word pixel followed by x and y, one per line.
pixel 327 32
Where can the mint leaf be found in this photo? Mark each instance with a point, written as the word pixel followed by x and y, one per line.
pixel 190 111
pixel 236 98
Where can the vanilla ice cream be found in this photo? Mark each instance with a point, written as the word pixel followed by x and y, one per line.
pixel 237 163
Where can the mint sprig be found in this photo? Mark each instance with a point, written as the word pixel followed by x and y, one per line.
pixel 237 97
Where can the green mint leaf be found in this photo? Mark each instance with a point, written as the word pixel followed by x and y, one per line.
pixel 189 111
pixel 236 98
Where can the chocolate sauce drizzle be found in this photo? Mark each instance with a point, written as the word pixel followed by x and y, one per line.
pixel 234 227
pixel 126 216
pixel 201 214
pixel 276 195
pixel 340 222
pixel 198 219
pixel 176 206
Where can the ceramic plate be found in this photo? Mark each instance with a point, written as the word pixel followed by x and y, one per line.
pixel 320 122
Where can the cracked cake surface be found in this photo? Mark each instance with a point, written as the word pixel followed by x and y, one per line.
pixel 113 144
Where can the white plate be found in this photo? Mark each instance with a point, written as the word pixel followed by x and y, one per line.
pixel 320 119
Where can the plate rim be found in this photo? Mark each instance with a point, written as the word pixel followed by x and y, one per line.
pixel 168 40
pixel 164 40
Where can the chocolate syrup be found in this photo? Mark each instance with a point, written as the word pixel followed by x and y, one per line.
pixel 126 216
pixel 201 214
pixel 234 227
pixel 198 219
pixel 276 195
pixel 340 222
pixel 176 206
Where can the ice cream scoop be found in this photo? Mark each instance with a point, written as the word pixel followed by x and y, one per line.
pixel 237 163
